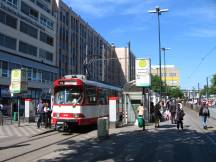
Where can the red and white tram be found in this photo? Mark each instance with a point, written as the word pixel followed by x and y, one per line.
pixel 78 101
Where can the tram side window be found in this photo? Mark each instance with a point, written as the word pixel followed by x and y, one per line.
pixel 91 94
pixel 102 97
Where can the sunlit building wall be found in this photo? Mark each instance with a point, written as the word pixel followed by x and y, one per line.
pixel 172 74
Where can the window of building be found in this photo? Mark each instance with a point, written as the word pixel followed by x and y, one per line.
pixel 29 72
pixel 5 71
pixel 45 76
pixel 28 29
pixel 8 20
pixel 27 49
pixel 45 55
pixel 172 74
pixel 7 42
pixel 46 38
pixel 42 6
pixel 39 76
pixel 34 74
pixel 46 22
pixel 0 68
pixel 48 1
pixel 13 3
pixel 29 11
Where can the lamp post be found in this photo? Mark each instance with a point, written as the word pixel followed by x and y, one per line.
pixel 158 11
pixel 164 52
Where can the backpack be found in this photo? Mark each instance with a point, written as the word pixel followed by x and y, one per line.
pixel 205 111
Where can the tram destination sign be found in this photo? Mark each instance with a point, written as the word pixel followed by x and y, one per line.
pixel 143 72
pixel 69 82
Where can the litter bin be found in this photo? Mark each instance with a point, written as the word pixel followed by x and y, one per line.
pixel 103 127
pixel 140 121
pixel 15 116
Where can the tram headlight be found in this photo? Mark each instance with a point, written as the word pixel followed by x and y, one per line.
pixel 76 115
pixel 57 115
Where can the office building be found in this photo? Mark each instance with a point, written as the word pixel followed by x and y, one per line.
pixel 27 40
pixel 79 45
pixel 172 74
pixel 127 61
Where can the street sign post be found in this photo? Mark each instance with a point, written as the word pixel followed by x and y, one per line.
pixel 18 85
pixel 143 79
pixel 143 72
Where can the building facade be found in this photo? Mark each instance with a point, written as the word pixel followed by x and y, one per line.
pixel 27 40
pixel 80 46
pixel 127 61
pixel 172 74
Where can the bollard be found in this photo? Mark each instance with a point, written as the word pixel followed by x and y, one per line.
pixel 1 118
pixel 102 127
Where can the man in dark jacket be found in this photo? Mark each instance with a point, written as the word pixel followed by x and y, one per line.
pixel 40 111
pixel 179 115
pixel 173 111
pixel 204 113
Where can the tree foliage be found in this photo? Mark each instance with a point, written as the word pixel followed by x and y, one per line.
pixel 211 89
pixel 175 92
pixel 171 91
pixel 155 82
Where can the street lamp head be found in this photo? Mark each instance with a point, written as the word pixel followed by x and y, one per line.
pixel 158 10
pixel 164 49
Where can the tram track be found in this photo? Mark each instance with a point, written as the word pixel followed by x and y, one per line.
pixel 29 148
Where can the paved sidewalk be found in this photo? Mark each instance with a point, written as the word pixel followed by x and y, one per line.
pixel 164 144
pixel 25 130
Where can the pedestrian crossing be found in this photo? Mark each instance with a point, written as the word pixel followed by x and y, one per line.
pixel 25 130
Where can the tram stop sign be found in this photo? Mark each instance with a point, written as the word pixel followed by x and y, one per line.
pixel 143 72
pixel 18 81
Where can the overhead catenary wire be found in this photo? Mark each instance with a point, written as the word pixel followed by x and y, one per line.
pixel 201 61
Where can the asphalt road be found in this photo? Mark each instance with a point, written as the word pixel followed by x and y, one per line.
pixel 164 144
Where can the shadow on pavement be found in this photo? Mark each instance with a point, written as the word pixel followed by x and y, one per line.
pixel 154 145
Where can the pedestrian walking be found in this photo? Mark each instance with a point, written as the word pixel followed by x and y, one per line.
pixel 141 121
pixel 173 111
pixel 157 114
pixel 40 112
pixel 152 111
pixel 204 114
pixel 179 116
pixel 47 115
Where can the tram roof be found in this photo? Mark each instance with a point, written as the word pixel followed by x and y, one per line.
pixel 102 85
pixel 93 83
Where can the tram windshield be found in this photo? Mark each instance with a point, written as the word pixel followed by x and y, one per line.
pixel 68 96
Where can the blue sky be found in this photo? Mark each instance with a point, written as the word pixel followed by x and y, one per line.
pixel 188 28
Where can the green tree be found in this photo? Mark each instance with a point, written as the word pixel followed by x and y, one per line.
pixel 155 84
pixel 175 92
pixel 213 85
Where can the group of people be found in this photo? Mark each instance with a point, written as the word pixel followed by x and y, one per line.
pixel 174 112
pixel 156 112
pixel 44 114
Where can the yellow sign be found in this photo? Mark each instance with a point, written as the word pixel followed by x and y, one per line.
pixel 142 63
pixel 16 75
pixel 18 81
pixel 143 72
